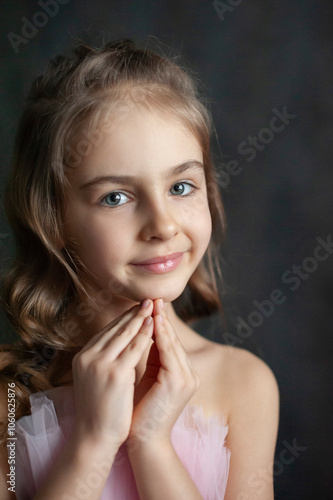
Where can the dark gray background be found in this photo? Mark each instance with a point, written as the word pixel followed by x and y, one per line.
pixel 262 55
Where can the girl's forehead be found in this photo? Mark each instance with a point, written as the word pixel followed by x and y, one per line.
pixel 135 135
pixel 111 115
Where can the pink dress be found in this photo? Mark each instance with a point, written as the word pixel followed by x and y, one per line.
pixel 198 441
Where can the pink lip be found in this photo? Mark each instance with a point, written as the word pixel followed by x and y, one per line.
pixel 161 264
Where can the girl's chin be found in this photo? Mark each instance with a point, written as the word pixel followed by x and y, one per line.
pixel 166 295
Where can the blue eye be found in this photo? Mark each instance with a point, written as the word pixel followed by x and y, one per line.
pixel 114 199
pixel 182 188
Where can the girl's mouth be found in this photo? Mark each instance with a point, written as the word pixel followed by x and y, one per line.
pixel 162 264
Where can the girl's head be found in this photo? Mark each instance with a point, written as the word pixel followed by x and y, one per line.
pixel 139 196
pixel 118 111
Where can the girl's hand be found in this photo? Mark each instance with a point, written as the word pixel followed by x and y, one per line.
pixel 167 385
pixel 104 376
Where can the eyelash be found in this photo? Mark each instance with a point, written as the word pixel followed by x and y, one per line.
pixel 193 192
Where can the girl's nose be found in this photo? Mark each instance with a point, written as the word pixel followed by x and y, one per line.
pixel 158 223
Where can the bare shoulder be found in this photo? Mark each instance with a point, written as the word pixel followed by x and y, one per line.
pixel 238 380
pixel 235 363
pixel 250 381
pixel 245 369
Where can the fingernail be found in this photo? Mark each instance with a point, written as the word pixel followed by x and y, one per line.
pixel 162 303
pixel 148 320
pixel 145 303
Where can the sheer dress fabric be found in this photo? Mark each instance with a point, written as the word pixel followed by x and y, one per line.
pixel 198 440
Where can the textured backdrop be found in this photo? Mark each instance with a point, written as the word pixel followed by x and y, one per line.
pixel 266 68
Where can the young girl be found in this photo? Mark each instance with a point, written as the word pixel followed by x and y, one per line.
pixel 117 215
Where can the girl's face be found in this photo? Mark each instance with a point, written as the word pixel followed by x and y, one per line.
pixel 140 194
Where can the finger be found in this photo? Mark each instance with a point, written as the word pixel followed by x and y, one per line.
pixel 98 341
pixel 120 335
pixel 127 315
pixel 133 352
pixel 173 357
pixel 166 341
pixel 157 305
pixel 179 350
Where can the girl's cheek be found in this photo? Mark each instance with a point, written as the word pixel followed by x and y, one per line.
pixel 199 211
pixel 203 221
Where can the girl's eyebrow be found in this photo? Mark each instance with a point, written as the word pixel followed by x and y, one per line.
pixel 179 169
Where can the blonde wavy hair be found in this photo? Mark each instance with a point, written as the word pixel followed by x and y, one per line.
pixel 76 92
